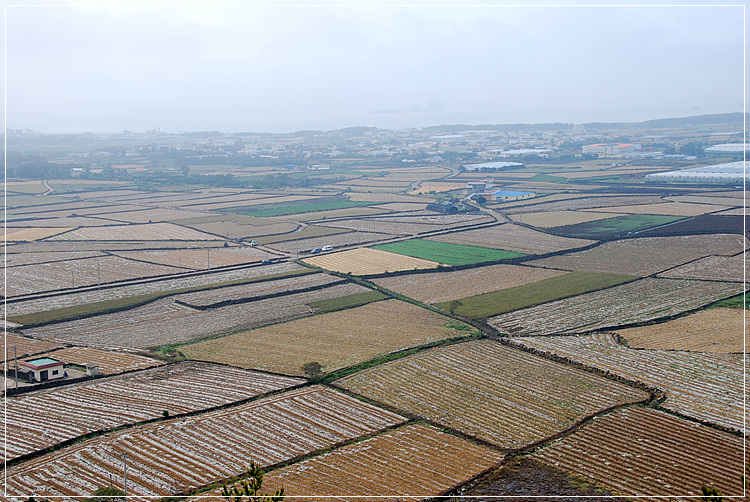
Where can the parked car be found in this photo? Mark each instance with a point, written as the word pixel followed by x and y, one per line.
pixel 315 251
pixel 327 248
pixel 253 243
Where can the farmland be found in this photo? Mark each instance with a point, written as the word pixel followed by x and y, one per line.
pixel 410 460
pixel 665 209
pixel 108 361
pixel 634 302
pixel 614 227
pixel 143 232
pixel 526 295
pixel 711 268
pixel 703 386
pixel 171 457
pixel 335 340
pixel 642 257
pixel 197 259
pixel 45 418
pixel 549 219
pixel 368 261
pixel 640 452
pixel 445 253
pixel 436 287
pixel 489 391
pixel 716 330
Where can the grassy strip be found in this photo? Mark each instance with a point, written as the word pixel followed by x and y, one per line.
pixel 735 302
pixel 97 308
pixel 346 302
pixel 446 253
pixel 507 300
pixel 614 226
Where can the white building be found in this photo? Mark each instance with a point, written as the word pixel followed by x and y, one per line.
pixel 44 368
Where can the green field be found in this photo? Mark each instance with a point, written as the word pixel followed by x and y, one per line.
pixel 735 302
pixel 507 300
pixel 449 254
pixel 346 302
pixel 612 227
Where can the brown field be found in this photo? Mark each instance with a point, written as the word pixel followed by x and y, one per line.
pixel 711 268
pixel 164 321
pixel 387 197
pixel 545 186
pixel 74 209
pixel 403 206
pixel 172 457
pixel 717 330
pixel 71 300
pixel 411 460
pixel 738 211
pixel 635 302
pixel 701 199
pixel 702 386
pixel 645 256
pixel 411 224
pixel 365 261
pixel 444 286
pixel 243 201
pixel 24 346
pixel 67 222
pixel 666 209
pixel 335 340
pixel 33 234
pixel 335 213
pixel 436 186
pixel 150 215
pixel 30 258
pixel 233 230
pixel 344 239
pixel 574 202
pixel 197 259
pixel 511 237
pixel 44 418
pixel 549 219
pixel 146 232
pixel 490 391
pixel 109 362
pixel 51 276
pixel 643 452
pixel 25 187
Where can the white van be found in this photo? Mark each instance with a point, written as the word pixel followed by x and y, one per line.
pixel 327 248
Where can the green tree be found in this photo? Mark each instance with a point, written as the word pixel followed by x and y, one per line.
pixel 711 494
pixel 107 494
pixel 313 370
pixel 249 490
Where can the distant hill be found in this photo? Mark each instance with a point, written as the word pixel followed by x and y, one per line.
pixel 557 126
pixel 694 120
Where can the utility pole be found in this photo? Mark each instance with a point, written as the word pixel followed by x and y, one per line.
pixel 208 258
pixel 15 364
pixel 125 472
pixel 98 273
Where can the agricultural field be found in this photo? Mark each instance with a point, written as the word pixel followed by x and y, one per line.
pixel 68 222
pixel 436 287
pixel 704 224
pixel 513 238
pixel 172 457
pixel 367 261
pixel 665 209
pixel 414 459
pixel 30 258
pixel 335 340
pixel 707 387
pixel 164 321
pixel 52 276
pixel 76 303
pixel 249 206
pixel 549 219
pixel 337 240
pixel 25 346
pixel 614 227
pixel 635 302
pixel 30 187
pixel 197 259
pixel 33 234
pixel 45 418
pixel 150 215
pixel 145 232
pixel 645 256
pixel 535 293
pixel 74 209
pixel 413 224
pixel 716 330
pixel 298 233
pixel 707 199
pixel 436 186
pixel 446 253
pixel 711 268
pixel 388 197
pixel 490 391
pixel 108 361
pixel 643 452
pixel 350 212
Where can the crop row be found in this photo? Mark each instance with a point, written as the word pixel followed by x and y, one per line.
pixel 45 418
pixel 102 295
pixel 711 268
pixel 645 256
pixel 511 237
pixel 704 386
pixel 164 321
pixel 367 261
pixel 27 279
pixel 642 452
pixel 634 302
pixel 145 232
pixel 496 393
pixel 169 458
pixel 109 362
pixel 198 259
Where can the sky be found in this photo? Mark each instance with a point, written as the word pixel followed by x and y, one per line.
pixel 250 67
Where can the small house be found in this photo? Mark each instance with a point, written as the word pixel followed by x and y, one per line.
pixel 505 196
pixel 44 368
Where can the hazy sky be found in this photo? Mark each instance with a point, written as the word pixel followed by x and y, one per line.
pixel 73 67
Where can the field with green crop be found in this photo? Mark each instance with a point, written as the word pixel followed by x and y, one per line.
pixel 554 288
pixel 613 227
pixel 446 253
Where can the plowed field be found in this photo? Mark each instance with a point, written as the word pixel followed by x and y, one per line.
pixel 146 232
pixel 550 219
pixel 365 261
pixel 711 268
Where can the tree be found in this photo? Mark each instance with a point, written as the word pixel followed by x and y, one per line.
pixel 107 494
pixel 248 490
pixel 711 494
pixel 313 370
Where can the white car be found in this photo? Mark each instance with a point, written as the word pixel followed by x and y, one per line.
pixel 327 248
